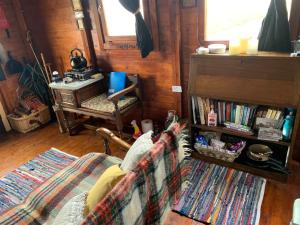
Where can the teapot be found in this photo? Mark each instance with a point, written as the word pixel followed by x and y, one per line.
pixel 77 61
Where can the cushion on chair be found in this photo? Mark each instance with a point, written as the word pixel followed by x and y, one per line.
pixel 101 103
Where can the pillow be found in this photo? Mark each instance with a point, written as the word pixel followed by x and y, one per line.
pixel 139 148
pixel 72 211
pixel 103 186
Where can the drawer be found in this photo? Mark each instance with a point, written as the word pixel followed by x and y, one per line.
pixel 74 98
pixel 90 91
pixel 66 98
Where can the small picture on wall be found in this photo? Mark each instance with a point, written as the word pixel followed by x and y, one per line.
pixel 188 3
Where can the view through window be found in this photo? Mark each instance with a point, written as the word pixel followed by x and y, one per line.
pixel 226 20
pixel 119 21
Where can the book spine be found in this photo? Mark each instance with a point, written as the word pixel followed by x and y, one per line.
pixel 223 112
pixel 244 115
pixel 278 115
pixel 228 112
pixel 232 113
pixel 219 113
pixel 237 114
pixel 269 113
pixel 241 114
pixel 207 109
pixel 197 109
pixel 247 116
pixel 253 116
pixel 201 110
pixel 193 110
pixel 273 114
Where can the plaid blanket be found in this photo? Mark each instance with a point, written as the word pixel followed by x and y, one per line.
pixel 43 204
pixel 145 195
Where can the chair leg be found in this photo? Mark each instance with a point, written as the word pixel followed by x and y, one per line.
pixel 119 125
pixel 106 146
pixel 142 112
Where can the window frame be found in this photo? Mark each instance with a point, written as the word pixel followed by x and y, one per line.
pixel 127 42
pixel 202 27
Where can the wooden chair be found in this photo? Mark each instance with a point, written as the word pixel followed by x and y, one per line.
pixel 109 137
pixel 115 106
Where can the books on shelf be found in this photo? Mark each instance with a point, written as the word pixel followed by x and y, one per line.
pixel 241 117
pixel 227 112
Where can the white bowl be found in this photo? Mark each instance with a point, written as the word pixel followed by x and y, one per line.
pixel 217 48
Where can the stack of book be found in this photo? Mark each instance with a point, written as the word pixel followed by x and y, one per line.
pixel 227 112
pixel 273 114
pixel 269 123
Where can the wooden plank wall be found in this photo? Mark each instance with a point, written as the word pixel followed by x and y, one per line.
pixel 53 30
pixel 15 45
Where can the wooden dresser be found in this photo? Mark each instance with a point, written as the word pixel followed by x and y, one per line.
pixel 266 79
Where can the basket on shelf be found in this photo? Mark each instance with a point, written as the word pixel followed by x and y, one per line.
pixel 219 153
pixel 28 123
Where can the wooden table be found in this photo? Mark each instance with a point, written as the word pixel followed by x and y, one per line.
pixel 68 98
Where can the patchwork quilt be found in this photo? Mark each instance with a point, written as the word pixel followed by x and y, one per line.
pixel 44 203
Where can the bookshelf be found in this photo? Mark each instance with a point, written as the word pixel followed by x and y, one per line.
pixel 270 80
pixel 225 130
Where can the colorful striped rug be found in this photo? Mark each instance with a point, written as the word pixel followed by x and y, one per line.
pixel 18 184
pixel 219 195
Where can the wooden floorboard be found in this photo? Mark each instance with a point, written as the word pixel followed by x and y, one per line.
pixel 16 149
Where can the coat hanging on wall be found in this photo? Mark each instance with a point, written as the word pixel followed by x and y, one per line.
pixel 143 35
pixel 275 32
pixel 4 24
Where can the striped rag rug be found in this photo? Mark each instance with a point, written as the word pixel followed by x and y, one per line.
pixel 18 184
pixel 219 195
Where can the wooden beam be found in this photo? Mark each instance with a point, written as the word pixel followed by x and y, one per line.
pixel 23 26
pixel 97 21
pixel 87 38
pixel 175 23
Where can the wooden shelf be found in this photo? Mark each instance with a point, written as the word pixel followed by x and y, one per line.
pixel 255 80
pixel 243 167
pixel 237 133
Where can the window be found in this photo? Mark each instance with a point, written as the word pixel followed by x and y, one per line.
pixel 230 19
pixel 119 21
pixel 118 24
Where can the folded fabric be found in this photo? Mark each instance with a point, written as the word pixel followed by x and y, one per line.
pixel 104 185
pixel 72 212
pixel 139 148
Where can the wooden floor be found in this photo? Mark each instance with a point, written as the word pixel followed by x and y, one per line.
pixel 16 149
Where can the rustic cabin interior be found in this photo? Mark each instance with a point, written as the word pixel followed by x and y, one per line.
pixel 150 112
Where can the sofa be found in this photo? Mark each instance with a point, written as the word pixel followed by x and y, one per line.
pixel 143 196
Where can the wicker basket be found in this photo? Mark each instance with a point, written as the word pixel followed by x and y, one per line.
pixel 28 123
pixel 219 153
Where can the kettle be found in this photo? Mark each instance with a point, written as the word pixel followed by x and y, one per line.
pixel 77 61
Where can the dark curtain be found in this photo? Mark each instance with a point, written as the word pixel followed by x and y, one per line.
pixel 143 35
pixel 275 32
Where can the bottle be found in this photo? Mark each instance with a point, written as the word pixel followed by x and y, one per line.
pixel 170 118
pixel 212 118
pixel 288 126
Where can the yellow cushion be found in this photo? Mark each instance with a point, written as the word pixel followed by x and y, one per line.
pixel 103 186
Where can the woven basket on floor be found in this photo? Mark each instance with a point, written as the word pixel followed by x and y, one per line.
pixel 28 123
pixel 219 153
